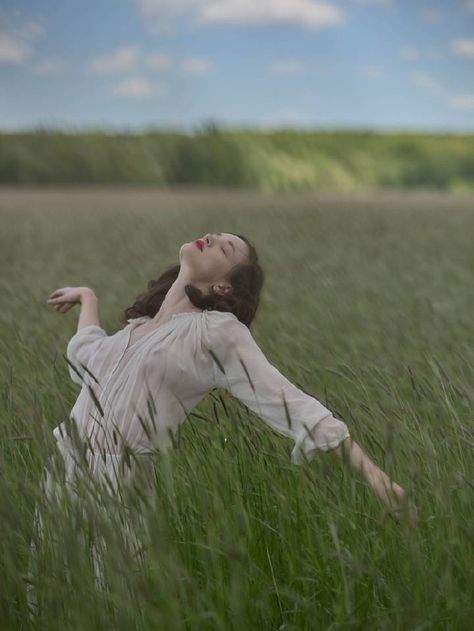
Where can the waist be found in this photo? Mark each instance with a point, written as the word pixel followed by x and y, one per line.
pixel 77 446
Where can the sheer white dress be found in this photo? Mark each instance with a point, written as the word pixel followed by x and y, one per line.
pixel 134 398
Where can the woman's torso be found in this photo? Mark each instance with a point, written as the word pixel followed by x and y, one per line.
pixel 146 385
pixel 145 325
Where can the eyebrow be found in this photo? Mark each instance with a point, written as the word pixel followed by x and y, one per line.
pixel 228 241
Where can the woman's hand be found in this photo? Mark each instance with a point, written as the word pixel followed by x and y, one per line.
pixel 392 494
pixel 66 297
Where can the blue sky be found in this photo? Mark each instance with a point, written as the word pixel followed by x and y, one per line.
pixel 135 64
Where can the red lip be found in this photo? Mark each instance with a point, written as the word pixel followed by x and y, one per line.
pixel 200 244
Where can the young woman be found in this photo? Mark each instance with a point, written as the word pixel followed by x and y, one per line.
pixel 186 335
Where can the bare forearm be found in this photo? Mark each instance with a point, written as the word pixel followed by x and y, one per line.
pixel 388 491
pixel 89 309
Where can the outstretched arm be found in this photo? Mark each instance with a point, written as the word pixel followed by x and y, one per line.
pixel 241 367
pixel 243 370
pixel 389 492
pixel 66 297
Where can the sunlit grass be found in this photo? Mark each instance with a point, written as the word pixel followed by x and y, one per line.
pixel 368 305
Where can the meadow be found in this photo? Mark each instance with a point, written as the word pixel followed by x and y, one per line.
pixel 367 305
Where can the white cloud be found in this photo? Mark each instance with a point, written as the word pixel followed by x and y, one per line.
pixel 137 88
pixel 409 53
pixel 133 60
pixel 122 60
pixel 306 13
pixel 158 61
pixel 463 47
pixel 462 101
pixel 196 66
pixel 30 30
pixel 372 72
pixel 412 53
pixel 16 43
pixel 250 13
pixel 455 101
pixel 426 82
pixel 49 66
pixel 287 68
pixel 12 51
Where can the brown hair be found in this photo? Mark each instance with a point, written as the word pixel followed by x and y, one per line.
pixel 246 280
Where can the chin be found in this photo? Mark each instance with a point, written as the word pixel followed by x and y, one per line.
pixel 187 249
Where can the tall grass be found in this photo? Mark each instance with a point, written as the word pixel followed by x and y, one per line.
pixel 368 305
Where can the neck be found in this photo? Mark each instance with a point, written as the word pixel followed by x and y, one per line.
pixel 176 299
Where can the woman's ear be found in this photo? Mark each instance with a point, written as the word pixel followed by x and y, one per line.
pixel 223 289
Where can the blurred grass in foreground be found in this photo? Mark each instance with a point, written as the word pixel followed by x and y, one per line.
pixel 368 305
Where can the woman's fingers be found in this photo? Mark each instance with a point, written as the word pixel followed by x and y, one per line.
pixel 70 295
pixel 57 296
pixel 55 293
pixel 60 292
pixel 62 307
pixel 64 298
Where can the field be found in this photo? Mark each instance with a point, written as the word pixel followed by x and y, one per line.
pixel 368 305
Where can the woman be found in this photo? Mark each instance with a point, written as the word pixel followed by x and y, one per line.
pixel 186 335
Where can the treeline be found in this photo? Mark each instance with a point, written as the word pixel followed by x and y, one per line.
pixel 283 160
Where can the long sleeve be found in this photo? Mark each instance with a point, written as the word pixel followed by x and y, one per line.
pixel 81 348
pixel 242 368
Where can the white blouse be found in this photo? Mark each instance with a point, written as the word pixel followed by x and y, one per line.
pixel 139 396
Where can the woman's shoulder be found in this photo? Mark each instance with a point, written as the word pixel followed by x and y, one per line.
pixel 223 319
pixel 225 328
pixel 221 315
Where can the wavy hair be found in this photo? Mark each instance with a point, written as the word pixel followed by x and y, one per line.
pixel 246 280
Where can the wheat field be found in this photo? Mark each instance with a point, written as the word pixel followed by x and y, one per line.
pixel 367 304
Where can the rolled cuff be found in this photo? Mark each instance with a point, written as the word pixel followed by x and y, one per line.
pixel 326 434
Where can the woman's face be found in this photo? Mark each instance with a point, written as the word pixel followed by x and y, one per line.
pixel 209 259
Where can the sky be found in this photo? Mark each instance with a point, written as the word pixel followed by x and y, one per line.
pixel 391 65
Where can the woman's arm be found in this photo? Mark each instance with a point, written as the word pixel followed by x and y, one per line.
pixel 89 313
pixel 389 492
pixel 66 297
pixel 242 368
